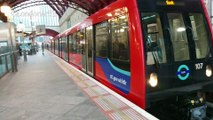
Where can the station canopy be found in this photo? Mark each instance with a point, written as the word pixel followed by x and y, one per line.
pixel 59 6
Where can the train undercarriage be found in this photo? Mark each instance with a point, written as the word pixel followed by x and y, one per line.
pixel 196 105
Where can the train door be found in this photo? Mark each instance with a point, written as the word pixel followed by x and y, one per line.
pixel 60 48
pixel 90 52
pixel 56 47
pixel 81 49
pixel 64 48
pixel 68 48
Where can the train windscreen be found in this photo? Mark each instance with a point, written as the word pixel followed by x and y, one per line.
pixel 176 27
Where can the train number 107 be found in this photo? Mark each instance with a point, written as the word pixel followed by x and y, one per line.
pixel 199 66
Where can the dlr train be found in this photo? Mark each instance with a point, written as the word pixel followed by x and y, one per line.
pixel 155 53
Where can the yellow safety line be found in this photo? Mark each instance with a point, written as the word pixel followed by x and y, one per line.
pixel 114 108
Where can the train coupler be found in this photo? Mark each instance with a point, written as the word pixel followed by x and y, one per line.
pixel 198 113
pixel 197 109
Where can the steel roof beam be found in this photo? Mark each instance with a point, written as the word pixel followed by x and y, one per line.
pixel 91 5
pixel 59 14
pixel 17 2
pixel 28 5
pixel 83 5
pixel 62 6
pixel 103 2
pixel 76 7
pixel 57 7
pixel 25 4
pixel 66 3
pixel 98 5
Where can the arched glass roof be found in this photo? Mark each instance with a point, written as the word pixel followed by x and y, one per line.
pixel 59 6
pixel 35 15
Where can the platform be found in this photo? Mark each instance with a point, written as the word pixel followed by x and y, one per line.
pixel 47 88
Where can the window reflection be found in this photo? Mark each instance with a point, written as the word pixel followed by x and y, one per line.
pixel 154 38
pixel 119 47
pixel 199 35
pixel 178 37
pixel 101 39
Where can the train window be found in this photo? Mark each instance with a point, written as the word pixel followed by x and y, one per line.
pixel 64 48
pixel 73 44
pixel 59 46
pixel 119 44
pixel 70 44
pixel 200 34
pixel 178 37
pixel 81 46
pixel 52 45
pixel 153 34
pixel 56 47
pixel 89 42
pixel 102 32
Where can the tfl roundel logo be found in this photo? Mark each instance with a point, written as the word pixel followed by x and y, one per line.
pixel 183 72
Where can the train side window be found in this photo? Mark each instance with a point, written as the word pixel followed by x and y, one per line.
pixel 56 46
pixel 178 37
pixel 102 33
pixel 153 34
pixel 200 34
pixel 74 43
pixel 52 45
pixel 80 42
pixel 70 43
pixel 119 42
pixel 64 48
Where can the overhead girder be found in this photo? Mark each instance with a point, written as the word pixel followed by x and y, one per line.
pixel 66 3
pixel 27 6
pixel 93 7
pixel 62 6
pixel 16 9
pixel 59 14
pixel 16 2
pixel 81 4
pixel 54 6
pixel 76 7
pixel 59 6
pixel 33 3
pixel 103 2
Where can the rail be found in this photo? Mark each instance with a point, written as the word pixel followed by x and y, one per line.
pixel 8 62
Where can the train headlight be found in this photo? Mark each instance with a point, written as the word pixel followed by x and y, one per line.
pixel 153 80
pixel 208 71
pixel 201 100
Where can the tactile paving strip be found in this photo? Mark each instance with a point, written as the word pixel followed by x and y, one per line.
pixel 114 101
pixel 116 116
pixel 114 108
pixel 103 104
pixel 90 83
pixel 100 90
pixel 90 92
pixel 133 114
pixel 82 85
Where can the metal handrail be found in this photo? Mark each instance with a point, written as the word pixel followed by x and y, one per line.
pixel 8 53
pixel 4 54
pixel 13 61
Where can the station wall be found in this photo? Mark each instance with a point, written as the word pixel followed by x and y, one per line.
pixel 70 18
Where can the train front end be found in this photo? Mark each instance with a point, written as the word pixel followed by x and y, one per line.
pixel 179 62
